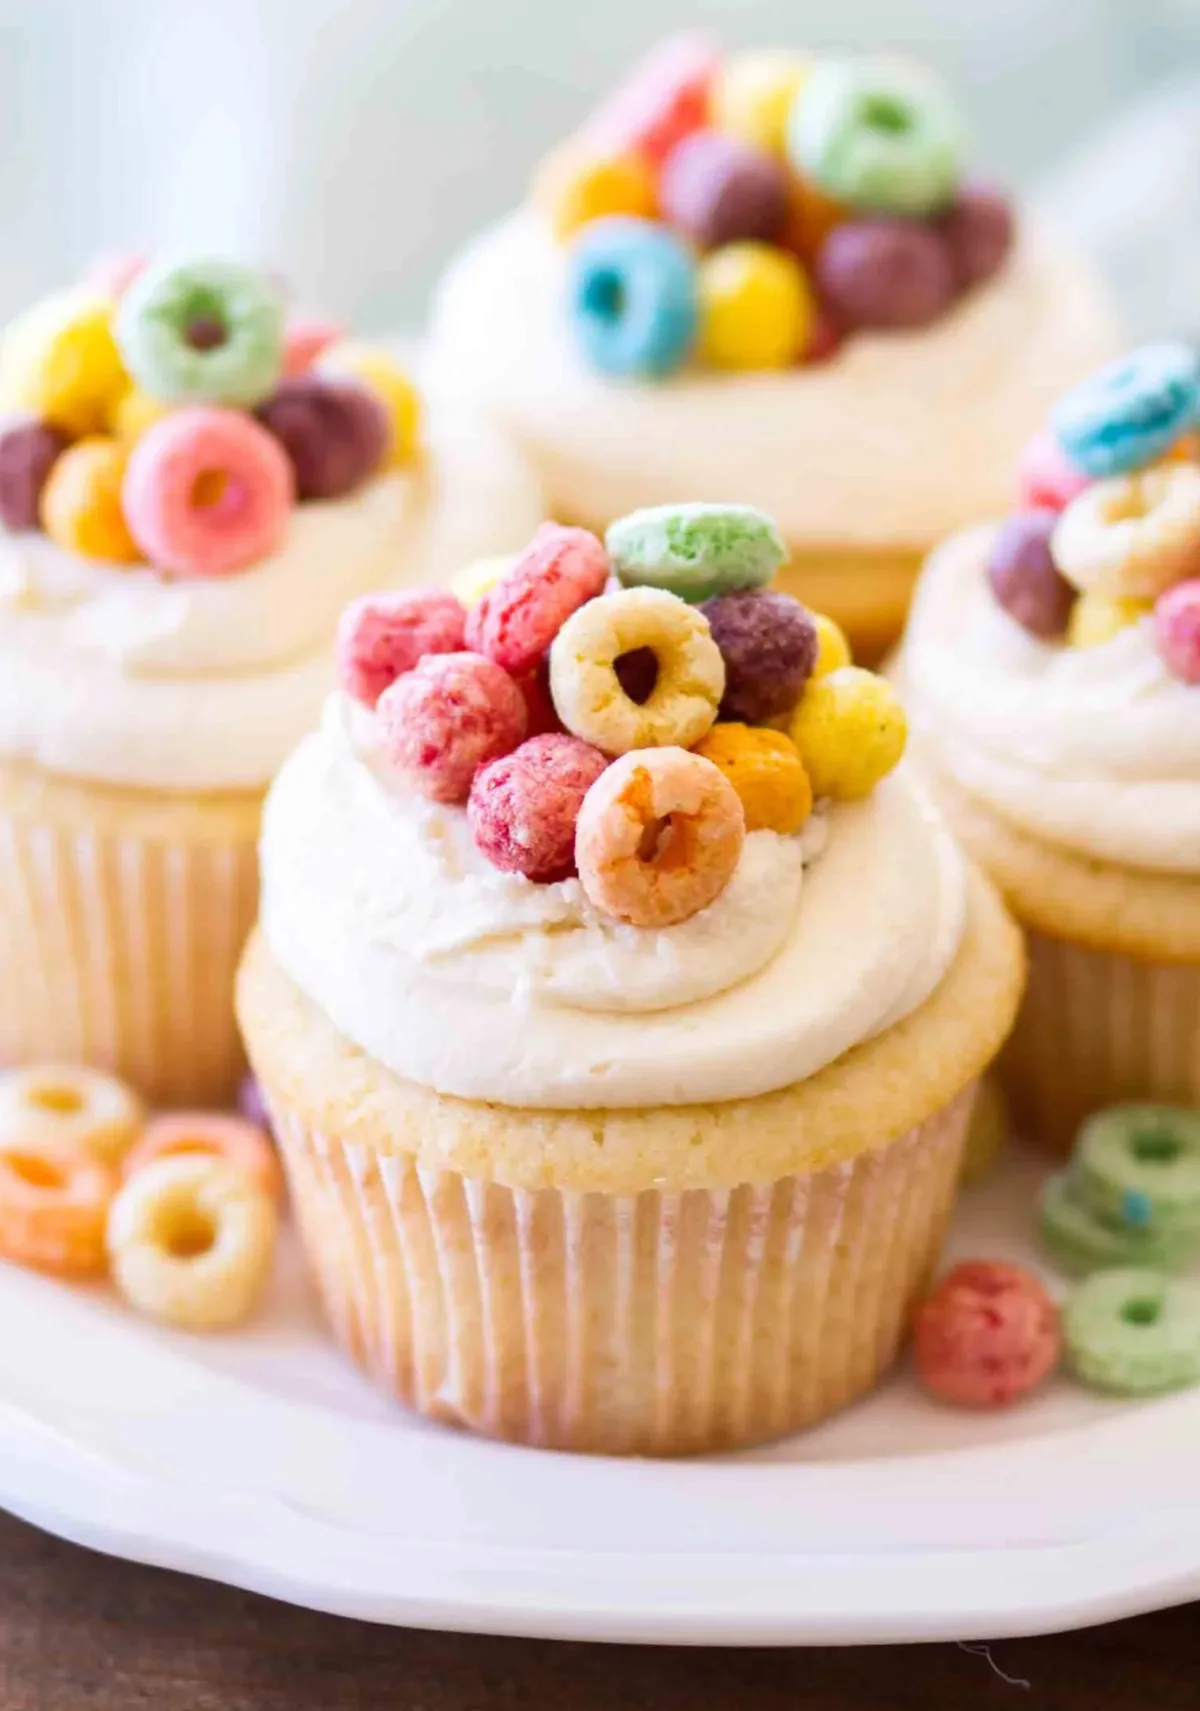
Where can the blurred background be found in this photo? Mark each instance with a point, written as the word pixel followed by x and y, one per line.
pixel 355 143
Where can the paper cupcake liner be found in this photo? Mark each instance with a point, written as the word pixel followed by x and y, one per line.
pixel 120 952
pixel 656 1323
pixel 1095 1029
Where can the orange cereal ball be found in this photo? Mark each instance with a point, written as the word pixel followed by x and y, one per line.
pixel 59 362
pixel 833 650
pixel 383 375
pixel 850 730
pixel 81 502
pixel 573 188
pixel 765 769
pixel 757 308
pixel 812 215
pixel 752 95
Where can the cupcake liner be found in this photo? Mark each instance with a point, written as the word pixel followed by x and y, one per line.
pixel 120 951
pixel 1096 1028
pixel 655 1323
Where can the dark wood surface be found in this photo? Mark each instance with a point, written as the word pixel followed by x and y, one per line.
pixel 79 1632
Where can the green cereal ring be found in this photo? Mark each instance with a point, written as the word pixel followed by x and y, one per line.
pixel 208 332
pixel 695 551
pixel 1133 1333
pixel 1140 1165
pixel 880 137
pixel 1080 1240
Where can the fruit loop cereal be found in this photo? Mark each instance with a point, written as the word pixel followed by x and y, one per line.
pixel 447 717
pixel 202 333
pixel 305 337
pixel 1133 1333
pixel 381 636
pixel 765 769
pixel 1132 536
pixel 769 646
pixel 515 621
pixel 208 1134
pixel 523 807
pixel 54 1200
pixel 747 211
pixel 850 730
pixel 80 1109
pixel 988 1335
pixel 81 505
pixel 1132 412
pixel 334 432
pixel 695 551
pixel 28 452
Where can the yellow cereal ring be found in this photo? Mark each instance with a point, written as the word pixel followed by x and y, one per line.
pixel 54 1201
pixel 59 361
pixel 572 187
pixel 81 502
pixel 476 579
pixel 134 412
pixel 383 375
pixel 765 769
pixel 752 95
pixel 850 730
pixel 833 650
pixel 1096 618
pixel 1133 535
pixel 190 1241
pixel 587 693
pixel 81 1109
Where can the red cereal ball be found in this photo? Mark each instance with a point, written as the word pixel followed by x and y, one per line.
pixel 717 189
pixel 28 452
pixel 1177 630
pixel 381 636
pixel 988 1335
pixel 979 228
pixel 769 645
pixel 523 807
pixel 886 274
pixel 334 432
pixel 517 619
pixel 1024 577
pixel 447 717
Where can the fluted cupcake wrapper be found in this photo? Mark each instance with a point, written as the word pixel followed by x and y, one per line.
pixel 654 1323
pixel 1095 1029
pixel 120 951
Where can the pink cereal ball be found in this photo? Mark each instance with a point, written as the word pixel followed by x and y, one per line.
pixel 447 717
pixel 381 636
pixel 1177 630
pixel 1046 478
pixel 664 98
pixel 516 620
pixel 207 492
pixel 988 1335
pixel 524 807
pixel 304 339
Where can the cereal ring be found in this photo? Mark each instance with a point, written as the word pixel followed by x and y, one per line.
pixel 305 338
pixel 1096 618
pixel 979 228
pixel 695 551
pixel 573 188
pixel 60 363
pixel 877 136
pixel 383 376
pixel 718 190
pixel 1024 578
pixel 587 692
pixel 769 647
pixel 515 622
pixel 190 1242
pixel 28 452
pixel 663 98
pixel 381 636
pixel 752 95
pixel 335 433
pixel 523 807
pixel 1047 480
pixel 1133 535
pixel 1131 412
pixel 69 1106
pixel 885 274
pixel 1140 1165
pixel 988 1335
pixel 1177 630
pixel 765 769
pixel 850 730
pixel 54 1200
pixel 81 506
pixel 169 479
pixel 659 836
pixel 208 1134
pixel 1133 1333
pixel 207 332
pixel 833 650
pixel 1080 1240
pixel 448 717
pixel 987 1132
pixel 632 297
pixel 757 309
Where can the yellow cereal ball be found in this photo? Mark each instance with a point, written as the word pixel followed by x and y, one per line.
pixel 1096 618
pixel 752 96
pixel 59 361
pixel 756 307
pixel 474 580
pixel 833 650
pixel 133 413
pixel 987 1132
pixel 765 769
pixel 572 188
pixel 381 374
pixel 850 730
pixel 81 502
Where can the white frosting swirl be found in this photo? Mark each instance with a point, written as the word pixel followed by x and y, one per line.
pixel 380 908
pixel 115 674
pixel 1094 749
pixel 897 441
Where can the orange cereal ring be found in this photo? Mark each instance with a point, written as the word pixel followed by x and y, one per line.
pixel 658 837
pixel 765 769
pixel 81 1109
pixel 54 1204
pixel 210 1134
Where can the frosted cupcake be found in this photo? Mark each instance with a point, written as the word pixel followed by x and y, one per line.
pixel 1052 667
pixel 620 1042
pixel 191 487
pixel 768 275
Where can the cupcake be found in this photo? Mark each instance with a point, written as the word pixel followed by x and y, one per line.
pixel 619 1007
pixel 770 275
pixel 1052 669
pixel 192 485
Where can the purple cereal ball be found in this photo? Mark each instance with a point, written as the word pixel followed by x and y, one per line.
pixel 718 190
pixel 769 645
pixel 28 452
pixel 885 274
pixel 1024 577
pixel 334 431
pixel 979 228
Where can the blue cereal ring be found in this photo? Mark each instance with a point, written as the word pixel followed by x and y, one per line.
pixel 207 332
pixel 1131 412
pixel 633 298
pixel 1133 1333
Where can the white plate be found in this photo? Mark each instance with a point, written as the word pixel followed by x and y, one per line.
pixel 260 1459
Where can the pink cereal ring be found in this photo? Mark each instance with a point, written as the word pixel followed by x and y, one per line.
pixel 207 492
pixel 212 1134
pixel 304 338
pixel 519 616
pixel 658 838
pixel 1046 477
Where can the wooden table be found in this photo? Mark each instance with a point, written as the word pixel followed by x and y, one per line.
pixel 80 1632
